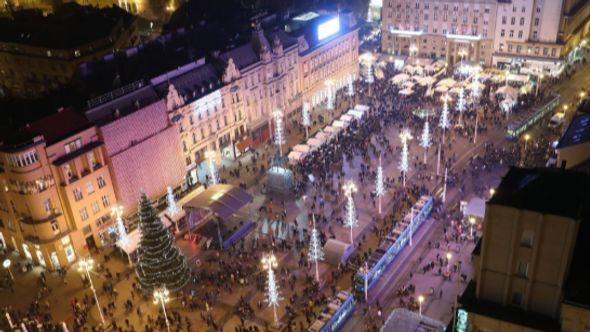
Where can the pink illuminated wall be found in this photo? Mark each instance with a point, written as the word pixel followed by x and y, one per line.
pixel 145 154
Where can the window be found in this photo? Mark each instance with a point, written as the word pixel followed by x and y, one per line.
pixel 522 270
pixel 502 33
pixel 509 47
pixel 73 145
pixel 78 194
pixel 518 49
pixel 106 201
pixel 537 22
pixel 511 33
pixel 89 188
pixel 522 21
pixel 517 299
pixel 553 52
pixel 534 34
pixel 83 214
pixel 527 238
pixel 520 34
pixel 512 20
pixel 503 19
pixel 54 226
pixel 95 207
pixel 101 182
pixel 47 205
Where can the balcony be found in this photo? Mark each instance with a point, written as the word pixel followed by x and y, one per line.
pixel 34 239
pixel 26 219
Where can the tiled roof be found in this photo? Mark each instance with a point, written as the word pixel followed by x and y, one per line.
pixel 194 83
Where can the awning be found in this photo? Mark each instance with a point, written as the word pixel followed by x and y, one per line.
pixel 221 199
pixel 244 145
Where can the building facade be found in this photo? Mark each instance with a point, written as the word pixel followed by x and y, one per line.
pixel 528 263
pixel 455 30
pixel 57 192
pixel 535 34
pixel 56 45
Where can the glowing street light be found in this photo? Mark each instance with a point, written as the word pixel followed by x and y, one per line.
pixel 84 267
pixel 6 265
pixel 420 300
pixel 471 222
pixel 162 296
pixel 269 262
pixel 492 191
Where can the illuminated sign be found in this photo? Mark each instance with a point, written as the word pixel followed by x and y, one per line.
pixel 306 17
pixel 462 321
pixel 329 28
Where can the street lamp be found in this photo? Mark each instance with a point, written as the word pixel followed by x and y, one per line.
pixel 582 95
pixel 162 295
pixel 492 192
pixel 471 222
pixel 449 256
pixel 420 300
pixel 6 265
pixel 84 267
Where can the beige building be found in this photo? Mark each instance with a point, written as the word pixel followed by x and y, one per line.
pixel 530 260
pixel 57 194
pixel 40 53
pixel 455 30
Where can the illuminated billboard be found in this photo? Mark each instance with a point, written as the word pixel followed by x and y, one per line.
pixel 329 28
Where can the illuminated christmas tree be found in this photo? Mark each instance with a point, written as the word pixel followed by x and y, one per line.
pixel 316 252
pixel 461 105
pixel 425 139
pixel 379 185
pixel 351 217
pixel 404 165
pixel 159 261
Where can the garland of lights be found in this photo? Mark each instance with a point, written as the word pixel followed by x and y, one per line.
pixel 172 208
pixel 159 261
pixel 425 138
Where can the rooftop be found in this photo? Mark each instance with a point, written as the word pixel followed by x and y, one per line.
pixel 66 28
pixel 578 130
pixel 546 190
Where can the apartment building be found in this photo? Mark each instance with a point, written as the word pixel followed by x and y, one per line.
pixel 535 34
pixel 454 30
pixel 41 53
pixel 530 263
pixel 57 192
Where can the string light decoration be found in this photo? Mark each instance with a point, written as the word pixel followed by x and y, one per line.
pixel 379 185
pixel 475 91
pixel 121 230
pixel 213 176
pixel 350 85
pixel 351 217
pixel 306 120
pixel 279 130
pixel 461 105
pixel 425 139
pixel 273 296
pixel 172 208
pixel 330 95
pixel 316 252
pixel 404 166
pixel 444 122
pixel 159 261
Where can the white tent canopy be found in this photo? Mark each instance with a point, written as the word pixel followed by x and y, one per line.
pixel 332 130
pixel 314 142
pixel 346 118
pixel 406 92
pixel 456 90
pixel 295 156
pixel 508 91
pixel 408 85
pixel 322 136
pixel 301 148
pixel 356 113
pixel 441 89
pixel 399 78
pixel 449 82
pixel 339 124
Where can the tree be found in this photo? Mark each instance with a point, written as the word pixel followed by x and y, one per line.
pixel 159 261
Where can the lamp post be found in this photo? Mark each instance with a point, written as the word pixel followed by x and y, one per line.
pixel 449 256
pixel 6 265
pixel 161 296
pixel 471 222
pixel 85 265
pixel 420 300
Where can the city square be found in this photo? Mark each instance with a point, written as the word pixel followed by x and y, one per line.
pixel 332 170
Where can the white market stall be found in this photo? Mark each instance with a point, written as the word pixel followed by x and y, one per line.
pixel 314 143
pixel 356 113
pixel 339 124
pixel 406 92
pixel 301 148
pixel 295 157
pixel 322 136
pixel 346 118
pixel 332 131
